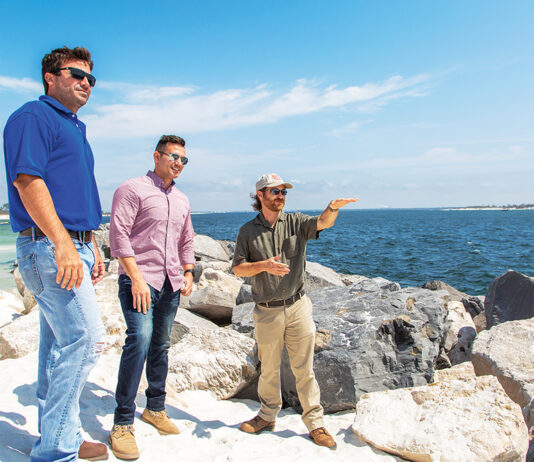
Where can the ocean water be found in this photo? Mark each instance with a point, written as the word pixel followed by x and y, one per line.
pixel 464 248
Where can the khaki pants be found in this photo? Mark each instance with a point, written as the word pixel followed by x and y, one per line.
pixel 294 326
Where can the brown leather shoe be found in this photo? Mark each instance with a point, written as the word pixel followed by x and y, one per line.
pixel 160 420
pixel 257 425
pixel 321 437
pixel 93 451
pixel 122 442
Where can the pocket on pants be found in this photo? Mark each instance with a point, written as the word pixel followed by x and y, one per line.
pixel 30 274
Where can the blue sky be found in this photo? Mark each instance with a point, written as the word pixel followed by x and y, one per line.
pixel 398 103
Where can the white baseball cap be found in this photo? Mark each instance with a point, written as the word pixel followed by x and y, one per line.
pixel 269 180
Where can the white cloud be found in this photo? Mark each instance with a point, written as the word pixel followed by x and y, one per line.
pixel 148 111
pixel 24 85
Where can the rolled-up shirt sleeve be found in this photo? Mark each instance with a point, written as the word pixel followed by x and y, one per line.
pixel 28 141
pixel 123 213
pixel 308 226
pixel 186 250
pixel 241 253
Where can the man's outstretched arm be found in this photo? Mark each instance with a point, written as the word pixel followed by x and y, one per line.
pixel 329 215
pixel 272 266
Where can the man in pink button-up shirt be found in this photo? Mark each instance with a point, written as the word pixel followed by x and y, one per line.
pixel 152 236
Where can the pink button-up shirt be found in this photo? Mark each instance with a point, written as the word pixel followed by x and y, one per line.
pixel 152 224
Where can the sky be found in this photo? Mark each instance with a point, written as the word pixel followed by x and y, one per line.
pixel 397 103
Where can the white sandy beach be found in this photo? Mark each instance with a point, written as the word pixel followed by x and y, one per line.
pixel 209 428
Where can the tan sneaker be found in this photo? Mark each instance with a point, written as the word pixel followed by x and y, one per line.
pixel 257 425
pixel 160 420
pixel 122 442
pixel 93 451
pixel 321 437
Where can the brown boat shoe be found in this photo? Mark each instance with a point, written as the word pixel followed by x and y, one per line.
pixel 93 451
pixel 321 437
pixel 257 425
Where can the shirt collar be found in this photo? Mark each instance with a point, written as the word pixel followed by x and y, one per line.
pixel 158 181
pixel 260 219
pixel 56 104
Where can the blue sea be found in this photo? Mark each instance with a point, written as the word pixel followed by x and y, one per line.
pixel 464 248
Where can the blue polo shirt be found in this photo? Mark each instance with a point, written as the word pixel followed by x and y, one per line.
pixel 45 139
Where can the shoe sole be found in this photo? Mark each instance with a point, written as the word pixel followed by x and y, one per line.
pixel 161 432
pixel 120 455
pixel 103 457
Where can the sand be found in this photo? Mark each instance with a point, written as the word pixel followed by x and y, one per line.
pixel 209 428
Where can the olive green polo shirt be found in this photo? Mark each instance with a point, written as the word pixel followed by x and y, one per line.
pixel 257 241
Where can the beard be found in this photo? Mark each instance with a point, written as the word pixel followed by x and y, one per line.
pixel 274 205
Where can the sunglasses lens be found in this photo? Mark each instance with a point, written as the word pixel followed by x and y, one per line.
pixel 277 191
pixel 175 157
pixel 79 74
pixel 184 160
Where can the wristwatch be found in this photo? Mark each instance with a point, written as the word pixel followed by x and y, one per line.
pixel 192 271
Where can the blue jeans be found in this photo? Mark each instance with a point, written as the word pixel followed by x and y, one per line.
pixel 69 347
pixel 148 338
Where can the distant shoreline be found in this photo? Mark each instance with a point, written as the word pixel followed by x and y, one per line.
pixel 487 208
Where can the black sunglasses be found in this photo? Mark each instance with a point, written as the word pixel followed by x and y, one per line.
pixel 78 74
pixel 276 191
pixel 183 160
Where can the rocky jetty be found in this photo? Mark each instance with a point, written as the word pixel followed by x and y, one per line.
pixel 382 350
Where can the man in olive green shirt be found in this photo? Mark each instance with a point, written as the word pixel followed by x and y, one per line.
pixel 271 249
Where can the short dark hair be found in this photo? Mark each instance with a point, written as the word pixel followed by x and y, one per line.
pixel 57 58
pixel 170 139
pixel 256 203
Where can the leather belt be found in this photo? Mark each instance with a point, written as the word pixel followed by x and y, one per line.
pixel 83 236
pixel 286 302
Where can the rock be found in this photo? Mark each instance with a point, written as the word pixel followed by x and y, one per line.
pixel 318 276
pixel 200 266
pixel 480 322
pixel 209 249
pixel 507 351
pixel 11 307
pixel 102 240
pixel 113 266
pixel 242 318
pixel 460 420
pixel 459 372
pixel 20 337
pixel 472 304
pixel 221 281
pixel 19 283
pixel 381 339
pixel 229 247
pixel 244 295
pixel 510 297
pixel 111 312
pixel 349 279
pixel 374 285
pixel 213 304
pixel 218 360
pixel 460 335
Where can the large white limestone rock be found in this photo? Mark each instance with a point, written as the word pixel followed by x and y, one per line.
pixel 20 337
pixel 318 276
pixel 221 361
pixel 220 280
pixel 458 420
pixel 507 351
pixel 111 312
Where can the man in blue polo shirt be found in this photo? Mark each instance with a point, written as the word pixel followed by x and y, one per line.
pixel 54 206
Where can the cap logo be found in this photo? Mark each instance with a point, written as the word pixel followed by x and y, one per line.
pixel 276 177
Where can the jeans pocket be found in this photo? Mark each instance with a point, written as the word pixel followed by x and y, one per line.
pixel 30 274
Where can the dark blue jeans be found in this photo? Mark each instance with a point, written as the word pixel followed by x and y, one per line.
pixel 148 338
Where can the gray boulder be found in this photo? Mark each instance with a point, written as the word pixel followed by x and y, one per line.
pixel 213 304
pixel 244 295
pixel 102 240
pixel 510 297
pixel 473 305
pixel 370 341
pixel 209 249
pixel 242 319
pixel 318 276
